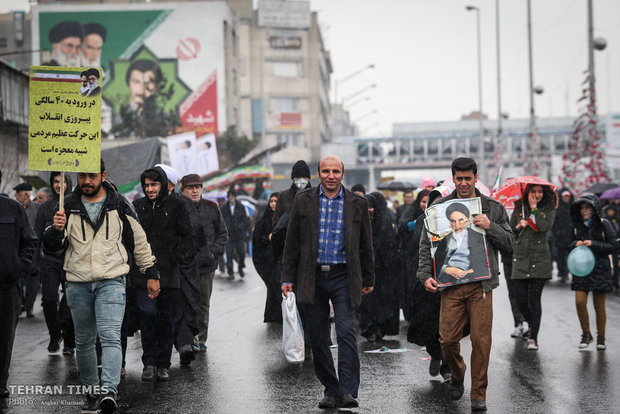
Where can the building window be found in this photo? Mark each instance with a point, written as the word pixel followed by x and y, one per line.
pixel 291 140
pixel 286 104
pixel 285 69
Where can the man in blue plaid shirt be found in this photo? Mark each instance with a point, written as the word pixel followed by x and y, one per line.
pixel 330 261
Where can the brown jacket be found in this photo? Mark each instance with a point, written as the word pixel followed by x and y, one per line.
pixel 499 237
pixel 302 245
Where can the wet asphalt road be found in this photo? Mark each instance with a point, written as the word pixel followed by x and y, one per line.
pixel 244 371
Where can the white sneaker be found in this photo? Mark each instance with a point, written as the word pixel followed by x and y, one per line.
pixel 525 328
pixel 532 345
pixel 517 332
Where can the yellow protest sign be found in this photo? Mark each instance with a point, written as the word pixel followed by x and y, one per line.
pixel 65 119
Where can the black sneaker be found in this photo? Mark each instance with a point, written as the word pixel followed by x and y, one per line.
pixel 148 373
pixel 108 403
pixel 54 345
pixel 163 374
pixel 600 343
pixel 187 355
pixel 241 274
pixel 91 404
pixel 67 350
pixel 447 377
pixel 586 339
pixel 433 368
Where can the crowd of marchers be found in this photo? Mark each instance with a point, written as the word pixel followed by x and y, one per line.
pixel 107 267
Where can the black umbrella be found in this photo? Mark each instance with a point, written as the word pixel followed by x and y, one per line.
pixel 397 186
pixel 599 188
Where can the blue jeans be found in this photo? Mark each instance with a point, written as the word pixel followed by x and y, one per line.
pixel 98 308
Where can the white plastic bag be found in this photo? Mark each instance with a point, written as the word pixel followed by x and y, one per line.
pixel 292 330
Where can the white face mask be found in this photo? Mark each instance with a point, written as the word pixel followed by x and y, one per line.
pixel 300 183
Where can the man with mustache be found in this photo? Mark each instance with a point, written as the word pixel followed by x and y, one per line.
pixel 97 233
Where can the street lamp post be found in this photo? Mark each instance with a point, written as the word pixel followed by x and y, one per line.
pixel 367 114
pixel 348 77
pixel 359 92
pixel 480 120
pixel 338 116
pixel 533 167
pixel 498 141
pixel 263 128
pixel 355 102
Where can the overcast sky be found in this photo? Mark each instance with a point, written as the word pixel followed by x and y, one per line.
pixel 425 52
pixel 425 57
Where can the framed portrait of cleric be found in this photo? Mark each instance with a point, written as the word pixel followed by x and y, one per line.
pixel 458 247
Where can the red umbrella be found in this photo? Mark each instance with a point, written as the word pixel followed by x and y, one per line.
pixel 513 188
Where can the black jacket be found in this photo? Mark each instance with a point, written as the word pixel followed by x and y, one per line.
pixel 237 223
pixel 210 231
pixel 285 200
pixel 562 225
pixel 601 233
pixel 262 252
pixel 168 229
pixel 17 243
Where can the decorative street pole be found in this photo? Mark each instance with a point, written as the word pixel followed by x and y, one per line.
pixel 480 115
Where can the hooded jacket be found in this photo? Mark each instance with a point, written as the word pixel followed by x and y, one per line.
pixel 602 234
pixel 104 249
pixel 562 225
pixel 168 229
pixel 499 237
pixel 531 257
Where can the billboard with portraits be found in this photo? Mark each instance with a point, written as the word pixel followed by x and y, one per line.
pixel 163 69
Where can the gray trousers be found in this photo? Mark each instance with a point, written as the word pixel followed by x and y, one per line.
pixel 206 287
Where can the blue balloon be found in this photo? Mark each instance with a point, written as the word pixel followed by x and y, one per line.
pixel 581 261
